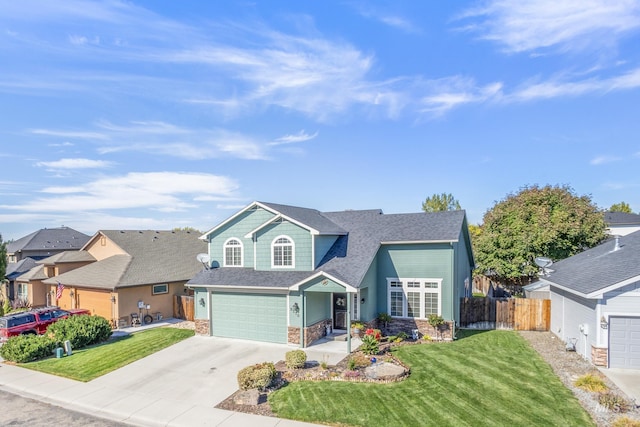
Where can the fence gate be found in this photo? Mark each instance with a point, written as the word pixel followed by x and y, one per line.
pixel 532 314
pixel 505 313
pixel 183 307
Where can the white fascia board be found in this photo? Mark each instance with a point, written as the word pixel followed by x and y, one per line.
pixel 267 222
pixel 231 218
pixel 595 294
pixel 231 288
pixel 348 287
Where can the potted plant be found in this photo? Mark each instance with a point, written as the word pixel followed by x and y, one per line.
pixel 356 328
pixel 384 318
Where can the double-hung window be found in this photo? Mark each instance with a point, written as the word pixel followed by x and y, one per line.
pixel 414 298
pixel 283 252
pixel 233 253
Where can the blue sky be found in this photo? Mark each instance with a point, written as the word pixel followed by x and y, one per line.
pixel 163 114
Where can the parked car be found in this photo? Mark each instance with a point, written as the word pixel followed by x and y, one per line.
pixel 33 321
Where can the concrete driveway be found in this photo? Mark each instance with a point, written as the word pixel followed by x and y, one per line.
pixel 628 380
pixel 177 386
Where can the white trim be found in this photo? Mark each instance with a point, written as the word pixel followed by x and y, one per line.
pixel 608 315
pixel 224 252
pixel 313 251
pixel 205 236
pixel 595 294
pixel 274 290
pixel 293 252
pixel 348 287
pixel 417 242
pixel 422 290
pixel 153 289
pixel 264 224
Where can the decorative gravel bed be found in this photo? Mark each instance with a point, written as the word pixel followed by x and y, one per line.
pixel 569 366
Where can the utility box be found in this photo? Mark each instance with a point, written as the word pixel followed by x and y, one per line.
pixel 59 352
pixel 67 347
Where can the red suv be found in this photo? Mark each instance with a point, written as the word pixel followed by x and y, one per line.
pixel 33 321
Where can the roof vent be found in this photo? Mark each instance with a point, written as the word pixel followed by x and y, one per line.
pixel 617 245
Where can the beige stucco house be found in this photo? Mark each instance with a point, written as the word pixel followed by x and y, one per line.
pixel 120 272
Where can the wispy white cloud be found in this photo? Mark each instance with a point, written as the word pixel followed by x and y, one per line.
pixel 295 138
pixel 167 191
pixel 600 160
pixel 450 93
pixel 391 19
pixel 76 164
pixel 549 24
pixel 68 134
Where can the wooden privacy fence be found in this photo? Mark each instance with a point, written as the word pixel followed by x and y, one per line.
pixel 183 307
pixel 520 314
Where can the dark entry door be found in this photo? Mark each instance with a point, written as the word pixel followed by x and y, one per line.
pixel 340 311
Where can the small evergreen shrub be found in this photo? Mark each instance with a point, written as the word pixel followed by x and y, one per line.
pixel 27 348
pixel 295 359
pixel 614 402
pixel 591 382
pixel 258 376
pixel 81 330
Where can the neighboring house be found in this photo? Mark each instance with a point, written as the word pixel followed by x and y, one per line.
pixel 288 274
pixel 595 302
pixel 24 252
pixel 621 223
pixel 118 273
pixel 536 290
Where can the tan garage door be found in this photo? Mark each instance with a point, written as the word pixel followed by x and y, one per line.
pixel 99 302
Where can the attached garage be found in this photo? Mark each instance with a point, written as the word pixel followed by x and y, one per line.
pixel 251 316
pixel 624 342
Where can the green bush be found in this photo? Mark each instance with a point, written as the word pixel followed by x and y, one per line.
pixel 370 345
pixel 257 376
pixel 27 348
pixel 614 402
pixel 295 359
pixel 81 330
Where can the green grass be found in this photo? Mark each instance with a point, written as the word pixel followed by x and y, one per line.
pixel 491 378
pixel 91 362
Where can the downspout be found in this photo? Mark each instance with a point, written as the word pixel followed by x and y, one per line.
pixel 302 316
pixel 453 293
pixel 210 311
pixel 349 308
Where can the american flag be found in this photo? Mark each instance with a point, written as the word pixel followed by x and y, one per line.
pixel 59 291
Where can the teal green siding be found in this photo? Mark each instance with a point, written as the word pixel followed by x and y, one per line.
pixel 302 246
pixel 434 261
pixel 462 271
pixel 259 317
pixel 322 246
pixel 201 312
pixel 318 307
pixel 238 228
pixel 369 310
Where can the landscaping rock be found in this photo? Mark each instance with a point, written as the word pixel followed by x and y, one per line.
pixel 384 371
pixel 247 397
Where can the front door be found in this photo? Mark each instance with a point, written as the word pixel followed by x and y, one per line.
pixel 340 311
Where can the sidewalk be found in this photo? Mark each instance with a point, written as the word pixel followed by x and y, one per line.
pixel 174 387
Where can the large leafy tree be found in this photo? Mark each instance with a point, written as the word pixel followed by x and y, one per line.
pixel 3 258
pixel 620 207
pixel 441 202
pixel 550 221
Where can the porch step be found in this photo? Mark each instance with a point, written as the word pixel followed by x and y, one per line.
pixel 337 337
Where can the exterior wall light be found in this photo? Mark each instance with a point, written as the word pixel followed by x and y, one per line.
pixel 603 323
pixel 295 308
pixel 201 301
pixel 362 301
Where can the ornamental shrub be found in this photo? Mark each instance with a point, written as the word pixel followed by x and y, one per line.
pixel 614 402
pixel 81 330
pixel 258 376
pixel 295 359
pixel 370 345
pixel 591 382
pixel 27 348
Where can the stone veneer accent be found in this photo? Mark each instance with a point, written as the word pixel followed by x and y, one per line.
pixel 408 325
pixel 311 333
pixel 202 326
pixel 599 356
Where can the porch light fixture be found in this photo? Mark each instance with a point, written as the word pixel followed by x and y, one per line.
pixel 603 323
pixel 201 301
pixel 113 299
pixel 295 308
pixel 362 301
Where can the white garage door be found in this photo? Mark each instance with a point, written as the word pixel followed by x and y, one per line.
pixel 624 342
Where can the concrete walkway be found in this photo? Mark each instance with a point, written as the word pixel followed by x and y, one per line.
pixel 177 386
pixel 628 380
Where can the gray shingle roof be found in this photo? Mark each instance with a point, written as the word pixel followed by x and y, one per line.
pixel 36 273
pixel 62 238
pixel 68 256
pixel 621 218
pixel 351 255
pixel 600 267
pixel 310 217
pixel 152 257
pixel 15 269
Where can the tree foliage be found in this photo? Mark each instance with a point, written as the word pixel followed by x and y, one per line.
pixel 550 221
pixel 620 207
pixel 441 202
pixel 3 258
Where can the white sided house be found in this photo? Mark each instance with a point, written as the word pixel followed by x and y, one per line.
pixel 595 302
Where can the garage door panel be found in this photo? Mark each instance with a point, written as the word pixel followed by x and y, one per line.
pixel 624 342
pixel 259 317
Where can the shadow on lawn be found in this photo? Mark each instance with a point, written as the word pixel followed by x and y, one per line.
pixel 468 333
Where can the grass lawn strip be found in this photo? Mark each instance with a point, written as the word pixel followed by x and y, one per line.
pixel 491 378
pixel 89 363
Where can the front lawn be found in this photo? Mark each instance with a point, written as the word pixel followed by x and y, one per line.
pixel 491 378
pixel 91 362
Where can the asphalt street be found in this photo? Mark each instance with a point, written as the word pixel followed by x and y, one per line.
pixel 19 411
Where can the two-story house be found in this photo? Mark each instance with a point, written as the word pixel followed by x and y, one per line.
pixel 288 274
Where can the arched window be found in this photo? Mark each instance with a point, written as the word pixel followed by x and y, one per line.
pixel 233 253
pixel 283 253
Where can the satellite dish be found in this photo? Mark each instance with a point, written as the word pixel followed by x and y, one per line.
pixel 204 259
pixel 544 263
